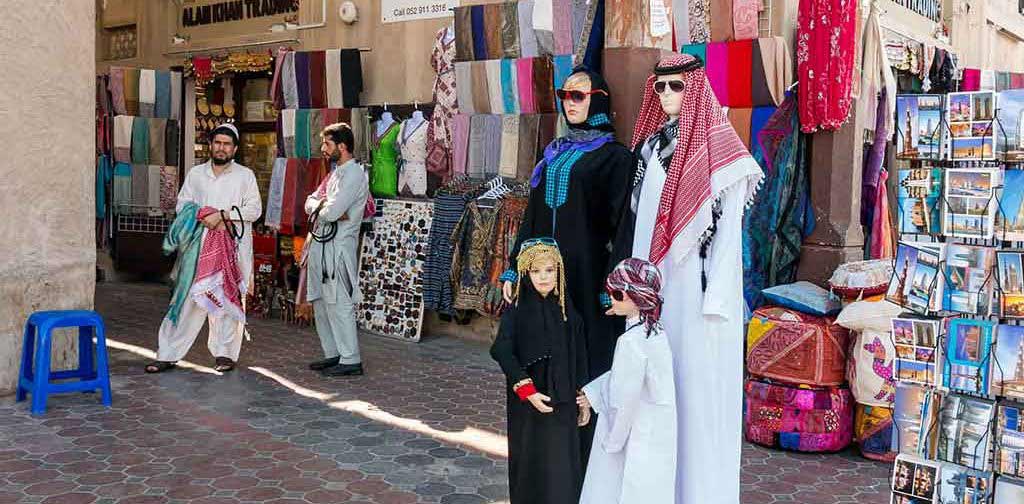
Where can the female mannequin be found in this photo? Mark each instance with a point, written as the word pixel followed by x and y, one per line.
pixel 412 140
pixel 691 187
pixel 580 193
pixel 384 157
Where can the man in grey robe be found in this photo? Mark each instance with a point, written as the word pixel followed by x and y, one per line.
pixel 332 269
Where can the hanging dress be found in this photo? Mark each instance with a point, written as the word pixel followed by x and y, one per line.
pixel 412 140
pixel 384 173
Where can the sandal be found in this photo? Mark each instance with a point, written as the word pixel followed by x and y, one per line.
pixel 224 364
pixel 160 366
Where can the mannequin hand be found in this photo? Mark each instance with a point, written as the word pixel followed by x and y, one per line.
pixel 540 401
pixel 583 418
pixel 583 402
pixel 506 292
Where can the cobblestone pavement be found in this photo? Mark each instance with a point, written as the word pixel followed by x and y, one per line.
pixel 425 425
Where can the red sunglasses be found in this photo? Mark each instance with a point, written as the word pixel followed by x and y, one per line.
pixel 577 96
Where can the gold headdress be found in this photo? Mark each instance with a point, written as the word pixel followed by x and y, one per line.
pixel 541 249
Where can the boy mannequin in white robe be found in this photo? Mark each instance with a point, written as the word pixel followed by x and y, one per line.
pixel 633 459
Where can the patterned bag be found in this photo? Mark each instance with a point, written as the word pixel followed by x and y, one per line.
pixel 796 348
pixel 805 420
pixel 872 429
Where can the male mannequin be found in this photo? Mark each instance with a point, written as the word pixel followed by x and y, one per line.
pixel 691 187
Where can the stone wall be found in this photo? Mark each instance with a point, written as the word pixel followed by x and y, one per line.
pixel 47 171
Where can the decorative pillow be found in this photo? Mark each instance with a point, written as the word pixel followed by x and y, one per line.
pixel 803 297
pixel 861 279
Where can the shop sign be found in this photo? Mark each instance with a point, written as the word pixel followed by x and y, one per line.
pixel 234 10
pixel 396 11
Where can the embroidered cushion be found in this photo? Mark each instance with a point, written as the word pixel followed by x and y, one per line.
pixel 796 348
pixel 861 279
pixel 872 430
pixel 799 419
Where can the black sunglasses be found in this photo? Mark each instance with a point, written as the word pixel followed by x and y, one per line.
pixel 617 295
pixel 676 86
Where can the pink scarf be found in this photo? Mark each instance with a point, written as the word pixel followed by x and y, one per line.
pixel 706 150
pixel 824 56
pixel 218 287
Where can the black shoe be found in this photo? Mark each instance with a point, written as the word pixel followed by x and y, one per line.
pixel 344 370
pixel 321 365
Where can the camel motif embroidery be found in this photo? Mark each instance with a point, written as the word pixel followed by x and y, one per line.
pixel 883 370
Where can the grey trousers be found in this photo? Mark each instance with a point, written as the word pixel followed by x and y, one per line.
pixel 336 326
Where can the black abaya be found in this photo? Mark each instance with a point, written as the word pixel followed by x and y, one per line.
pixel 546 464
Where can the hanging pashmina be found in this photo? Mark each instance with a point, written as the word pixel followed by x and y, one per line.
pixel 825 56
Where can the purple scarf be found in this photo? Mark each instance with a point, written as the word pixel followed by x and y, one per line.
pixel 587 141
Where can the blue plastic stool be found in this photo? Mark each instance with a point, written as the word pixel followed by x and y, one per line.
pixel 35 373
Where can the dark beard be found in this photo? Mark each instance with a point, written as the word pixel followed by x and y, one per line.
pixel 220 162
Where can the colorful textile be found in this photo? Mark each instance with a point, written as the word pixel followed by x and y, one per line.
pixel 872 430
pixel 176 96
pixel 318 79
pixel 882 246
pixel 163 94
pixel 480 84
pixel 740 120
pixel 494 85
pixel 219 286
pixel 873 161
pixel 509 83
pixel 510 30
pixel 563 69
pixel 717 70
pixel 131 91
pixel 492 144
pixel 288 131
pixel 116 87
pixel 154 176
pixel 140 141
pixel 332 74
pixel 302 127
pixel 104 176
pixel 744 19
pixel 805 420
pixel 781 215
pixel 543 90
pixel 464 87
pixel 289 81
pixel 708 159
pixel 122 187
pixel 563 27
pixel 384 172
pixel 778 68
pixel 479 32
pixel 527 39
pixel 758 120
pixel 147 92
pixel 473 240
pixel 168 188
pixel 825 57
pixel 971 80
pixel 700 21
pixel 721 21
pixel 184 236
pixel 509 159
pixel 439 132
pixel 792 347
pixel 140 188
pixel 493 14
pixel 524 82
pixel 437 281
pixel 740 55
pixel 463 25
pixel 351 77
pixel 291 187
pixel 641 281
pixel 475 158
pixel 172 143
pixel 699 51
pixel 123 130
pixel 460 143
pixel 157 136
pixel 527 155
pixel 316 125
pixel 302 78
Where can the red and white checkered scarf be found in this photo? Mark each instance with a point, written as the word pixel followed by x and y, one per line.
pixel 218 287
pixel 697 176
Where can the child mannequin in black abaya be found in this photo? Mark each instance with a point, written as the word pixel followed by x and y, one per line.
pixel 540 349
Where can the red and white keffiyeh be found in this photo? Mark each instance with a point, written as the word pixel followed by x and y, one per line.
pixel 709 159
pixel 218 287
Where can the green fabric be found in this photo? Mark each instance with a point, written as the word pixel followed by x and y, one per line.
pixel 384 172
pixel 140 141
pixel 302 133
pixel 104 175
pixel 184 236
pixel 696 50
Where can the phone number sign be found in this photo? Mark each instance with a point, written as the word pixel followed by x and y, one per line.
pixel 396 11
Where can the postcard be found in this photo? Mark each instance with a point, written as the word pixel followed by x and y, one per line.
pixel 919 130
pixel 967 356
pixel 1010 440
pixel 1008 362
pixel 1009 491
pixel 1011 122
pixel 961 485
pixel 916 355
pixel 1010 274
pixel 1010 217
pixel 971 118
pixel 920 201
pixel 970 202
pixel 965 436
pixel 914 480
pixel 916 283
pixel 969 279
pixel 914 418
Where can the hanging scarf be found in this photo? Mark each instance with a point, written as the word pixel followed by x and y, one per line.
pixel 709 159
pixel 527 40
pixel 826 42
pixel 163 94
pixel 275 195
pixel 289 82
pixel 184 237
pixel 219 286
pixel 147 92
pixel 641 281
pixel 140 140
pixel 116 87
pixel 881 228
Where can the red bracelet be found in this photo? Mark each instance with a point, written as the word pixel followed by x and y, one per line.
pixel 526 391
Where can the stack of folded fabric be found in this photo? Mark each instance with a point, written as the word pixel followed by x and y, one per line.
pixel 796 397
pixel 522 29
pixel 291 181
pixel 317 79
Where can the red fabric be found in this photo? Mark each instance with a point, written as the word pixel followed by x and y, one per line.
pixel 706 144
pixel 526 391
pixel 1017 81
pixel 312 171
pixel 317 79
pixel 972 80
pixel 218 286
pixel 825 50
pixel 329 116
pixel 740 81
pixel 202 66
pixel 291 181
